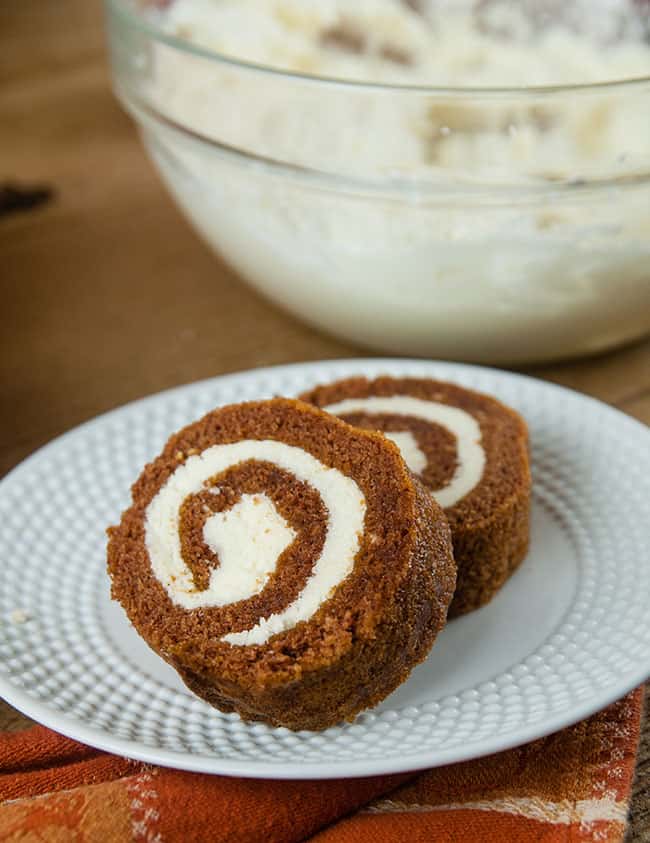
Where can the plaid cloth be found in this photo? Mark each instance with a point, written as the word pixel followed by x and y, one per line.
pixel 572 786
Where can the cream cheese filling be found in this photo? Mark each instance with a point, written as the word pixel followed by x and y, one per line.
pixel 248 539
pixel 470 454
pixel 413 455
pixel 341 496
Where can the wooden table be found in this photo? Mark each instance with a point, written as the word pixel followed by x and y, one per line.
pixel 107 294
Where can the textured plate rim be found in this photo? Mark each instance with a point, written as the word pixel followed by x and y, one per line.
pixel 77 729
pixel 99 739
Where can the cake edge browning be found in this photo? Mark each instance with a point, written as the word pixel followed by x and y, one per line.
pixel 402 639
pixel 501 545
pixel 381 651
pixel 488 549
pixel 488 552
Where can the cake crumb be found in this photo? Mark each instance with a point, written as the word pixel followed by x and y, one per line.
pixel 19 616
pixel 396 54
pixel 344 37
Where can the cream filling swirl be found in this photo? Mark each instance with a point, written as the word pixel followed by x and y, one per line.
pixel 470 454
pixel 341 496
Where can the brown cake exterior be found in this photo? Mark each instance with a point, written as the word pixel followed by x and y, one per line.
pixel 490 523
pixel 371 628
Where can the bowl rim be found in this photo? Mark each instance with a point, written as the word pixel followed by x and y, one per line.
pixel 399 188
pixel 124 10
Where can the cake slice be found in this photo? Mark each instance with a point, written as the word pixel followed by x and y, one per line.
pixel 288 565
pixel 470 450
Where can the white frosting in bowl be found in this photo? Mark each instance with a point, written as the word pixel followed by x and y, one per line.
pixel 490 43
pixel 494 274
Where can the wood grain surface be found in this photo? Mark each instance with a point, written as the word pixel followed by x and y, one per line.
pixel 106 292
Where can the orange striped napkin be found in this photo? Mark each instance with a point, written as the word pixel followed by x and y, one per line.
pixel 571 786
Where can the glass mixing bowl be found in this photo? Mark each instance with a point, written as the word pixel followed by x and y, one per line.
pixel 505 224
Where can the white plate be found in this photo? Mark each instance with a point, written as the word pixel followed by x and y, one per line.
pixel 567 635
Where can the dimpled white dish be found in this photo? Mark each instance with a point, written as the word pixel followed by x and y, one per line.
pixel 568 634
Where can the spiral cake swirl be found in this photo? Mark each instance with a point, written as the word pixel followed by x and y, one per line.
pixel 470 450
pixel 286 564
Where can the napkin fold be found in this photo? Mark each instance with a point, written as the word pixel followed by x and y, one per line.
pixel 571 786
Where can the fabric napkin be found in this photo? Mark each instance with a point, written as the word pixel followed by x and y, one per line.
pixel 571 786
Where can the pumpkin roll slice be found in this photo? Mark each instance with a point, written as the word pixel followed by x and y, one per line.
pixel 287 565
pixel 470 450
